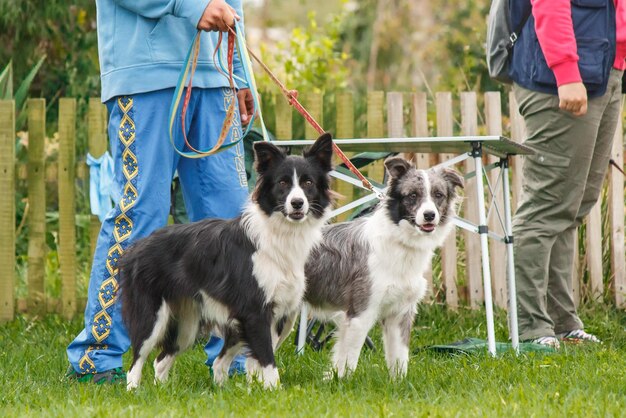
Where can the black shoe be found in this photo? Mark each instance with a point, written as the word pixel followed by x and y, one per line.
pixel 112 376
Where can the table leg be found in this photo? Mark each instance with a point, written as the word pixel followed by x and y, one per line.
pixel 513 331
pixel 484 246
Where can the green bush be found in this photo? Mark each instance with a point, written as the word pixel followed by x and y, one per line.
pixel 309 61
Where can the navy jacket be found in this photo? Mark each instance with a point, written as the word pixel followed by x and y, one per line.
pixel 594 28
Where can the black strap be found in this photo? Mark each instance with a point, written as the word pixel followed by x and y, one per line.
pixel 515 34
pixel 614 164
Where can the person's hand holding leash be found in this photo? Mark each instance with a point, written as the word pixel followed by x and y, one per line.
pixel 218 16
pixel 246 105
pixel 573 98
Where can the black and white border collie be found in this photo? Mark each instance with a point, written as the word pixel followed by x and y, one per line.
pixel 371 269
pixel 244 276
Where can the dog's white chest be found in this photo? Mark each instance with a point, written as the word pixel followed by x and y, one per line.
pixel 282 282
pixel 278 263
pixel 402 295
pixel 397 277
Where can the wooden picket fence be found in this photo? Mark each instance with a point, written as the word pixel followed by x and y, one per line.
pixel 393 114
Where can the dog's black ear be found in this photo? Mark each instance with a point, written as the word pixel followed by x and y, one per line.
pixel 266 155
pixel 397 167
pixel 322 151
pixel 453 177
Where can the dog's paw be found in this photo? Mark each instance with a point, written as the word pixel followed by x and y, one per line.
pixel 162 369
pixel 130 385
pixel 343 370
pixel 133 378
pixel 270 378
pixel 329 375
pixel 220 376
pixel 397 373
pixel 398 369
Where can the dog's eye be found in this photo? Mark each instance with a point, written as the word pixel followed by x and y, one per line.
pixel 413 196
pixel 439 195
pixel 308 183
pixel 282 183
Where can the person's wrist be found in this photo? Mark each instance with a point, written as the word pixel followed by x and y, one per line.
pixel 194 10
pixel 566 72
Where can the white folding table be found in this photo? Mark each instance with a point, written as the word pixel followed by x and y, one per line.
pixel 463 147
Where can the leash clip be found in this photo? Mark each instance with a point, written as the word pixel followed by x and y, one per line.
pixel 380 194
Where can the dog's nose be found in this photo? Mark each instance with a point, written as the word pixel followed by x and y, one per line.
pixel 429 216
pixel 297 203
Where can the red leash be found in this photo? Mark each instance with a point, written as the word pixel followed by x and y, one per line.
pixel 291 96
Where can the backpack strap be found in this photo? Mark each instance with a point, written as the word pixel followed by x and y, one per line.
pixel 514 35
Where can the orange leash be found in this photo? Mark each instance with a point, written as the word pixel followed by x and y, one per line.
pixel 230 113
pixel 291 96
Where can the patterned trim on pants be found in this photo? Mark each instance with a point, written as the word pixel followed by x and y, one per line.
pixel 123 228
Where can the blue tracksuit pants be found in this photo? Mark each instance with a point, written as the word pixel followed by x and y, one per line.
pixel 144 164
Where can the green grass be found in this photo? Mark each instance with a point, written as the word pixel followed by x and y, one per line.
pixel 578 381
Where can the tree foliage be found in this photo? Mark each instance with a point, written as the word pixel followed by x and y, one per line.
pixel 406 44
pixel 363 44
pixel 458 50
pixel 309 60
pixel 62 31
pixel 394 44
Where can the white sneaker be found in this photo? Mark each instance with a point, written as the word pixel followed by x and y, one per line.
pixel 578 336
pixel 548 341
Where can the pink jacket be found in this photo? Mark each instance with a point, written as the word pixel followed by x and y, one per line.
pixel 553 24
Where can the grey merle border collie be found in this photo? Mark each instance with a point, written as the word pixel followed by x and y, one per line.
pixel 371 269
pixel 243 277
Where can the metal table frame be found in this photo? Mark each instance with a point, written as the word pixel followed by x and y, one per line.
pixel 465 147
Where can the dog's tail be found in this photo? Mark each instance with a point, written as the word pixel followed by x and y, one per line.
pixel 140 299
pixel 130 290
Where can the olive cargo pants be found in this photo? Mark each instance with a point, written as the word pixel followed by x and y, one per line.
pixel 561 183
